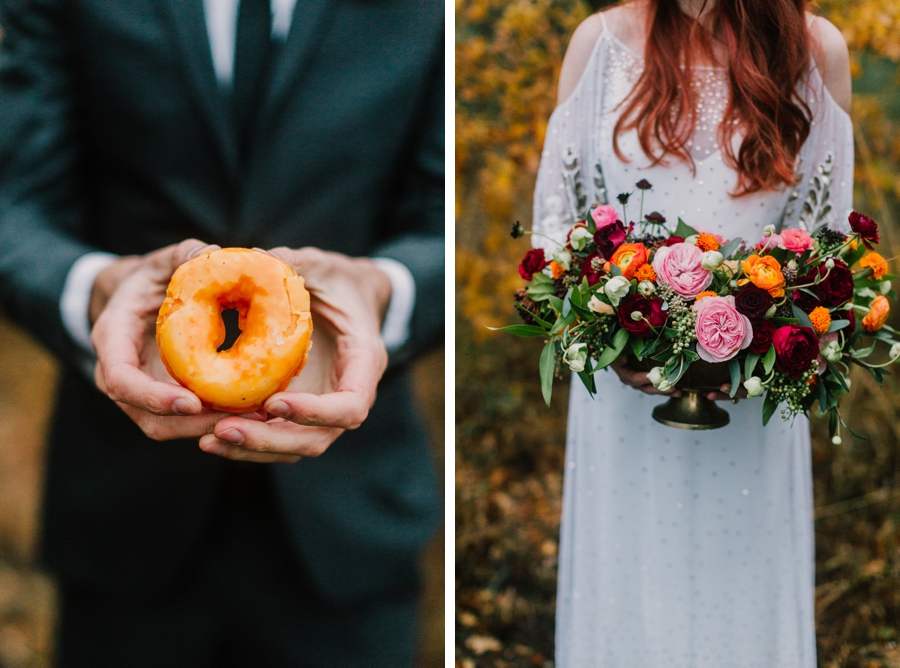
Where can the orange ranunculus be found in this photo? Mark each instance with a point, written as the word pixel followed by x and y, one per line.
pixel 629 257
pixel 876 262
pixel 853 243
pixel 706 293
pixel 556 269
pixel 877 315
pixel 764 273
pixel 820 319
pixel 645 273
pixel 707 242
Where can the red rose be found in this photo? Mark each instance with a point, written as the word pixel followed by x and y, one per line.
pixel 609 237
pixel 795 349
pixel 865 227
pixel 834 291
pixel 671 241
pixel 752 301
pixel 533 262
pixel 592 268
pixel 650 309
pixel 763 331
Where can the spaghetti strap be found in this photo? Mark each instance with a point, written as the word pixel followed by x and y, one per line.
pixel 603 21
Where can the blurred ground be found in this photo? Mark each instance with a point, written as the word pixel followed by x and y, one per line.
pixel 27 598
pixel 510 447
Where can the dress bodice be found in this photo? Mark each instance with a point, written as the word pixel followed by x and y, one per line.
pixel 579 166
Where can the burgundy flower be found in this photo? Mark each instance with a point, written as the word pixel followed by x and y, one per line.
pixel 649 307
pixel 592 268
pixel 533 262
pixel 835 290
pixel 865 227
pixel 752 301
pixel 643 184
pixel 609 238
pixel 671 241
pixel 763 331
pixel 795 349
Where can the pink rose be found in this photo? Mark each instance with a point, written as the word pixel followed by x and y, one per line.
pixel 604 215
pixel 794 240
pixel 721 331
pixel 679 266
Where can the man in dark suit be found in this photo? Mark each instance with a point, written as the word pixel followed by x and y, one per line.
pixel 126 128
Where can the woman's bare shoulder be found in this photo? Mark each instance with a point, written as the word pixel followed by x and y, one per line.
pixel 832 59
pixel 577 55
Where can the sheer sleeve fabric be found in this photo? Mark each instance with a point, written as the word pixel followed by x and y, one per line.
pixel 824 191
pixel 570 178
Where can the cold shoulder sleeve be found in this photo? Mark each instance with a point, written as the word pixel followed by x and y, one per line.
pixel 824 191
pixel 570 178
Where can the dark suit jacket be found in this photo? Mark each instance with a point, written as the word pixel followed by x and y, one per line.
pixel 114 136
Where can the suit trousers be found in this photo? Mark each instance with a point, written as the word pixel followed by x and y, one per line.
pixel 244 602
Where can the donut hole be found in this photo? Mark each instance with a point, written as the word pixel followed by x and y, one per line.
pixel 230 319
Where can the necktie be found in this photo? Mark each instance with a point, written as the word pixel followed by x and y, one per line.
pixel 252 55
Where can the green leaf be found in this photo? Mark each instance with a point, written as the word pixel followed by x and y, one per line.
pixel 556 303
pixel 567 305
pixel 637 347
pixel 734 368
pixel 612 352
pixel 832 422
pixel 690 356
pixel 837 324
pixel 537 318
pixel 823 399
pixel 802 317
pixel 781 322
pixel 730 247
pixel 575 297
pixel 684 230
pixel 861 353
pixel 562 322
pixel 548 366
pixel 615 270
pixel 838 377
pixel 750 364
pixel 770 405
pixel 769 360
pixel 525 331
pixel 540 293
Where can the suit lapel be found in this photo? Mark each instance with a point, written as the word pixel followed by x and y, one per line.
pixel 189 24
pixel 309 24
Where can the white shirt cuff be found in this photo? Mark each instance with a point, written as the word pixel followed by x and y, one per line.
pixel 395 328
pixel 76 296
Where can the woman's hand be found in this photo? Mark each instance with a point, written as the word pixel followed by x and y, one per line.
pixel 638 379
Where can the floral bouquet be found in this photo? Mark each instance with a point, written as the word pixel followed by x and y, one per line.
pixel 784 316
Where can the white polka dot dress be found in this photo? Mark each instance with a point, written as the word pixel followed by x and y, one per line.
pixel 683 549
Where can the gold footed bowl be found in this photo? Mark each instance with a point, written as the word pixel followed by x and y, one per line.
pixel 692 410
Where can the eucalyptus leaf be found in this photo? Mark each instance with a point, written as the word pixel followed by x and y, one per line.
pixel 684 230
pixel 734 368
pixel 801 316
pixel 770 405
pixel 556 303
pixel 730 247
pixel 837 324
pixel 525 331
pixel 612 352
pixel 769 360
pixel 750 364
pixel 548 366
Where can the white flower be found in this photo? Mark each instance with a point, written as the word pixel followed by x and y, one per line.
pixel 868 293
pixel 771 312
pixel 832 351
pixel 895 351
pixel 576 357
pixel 562 257
pixel 768 230
pixel 711 260
pixel 793 264
pixel 580 237
pixel 829 263
pixel 664 386
pixel 692 239
pixel 885 287
pixel 836 440
pixel 646 288
pixel 655 375
pixel 637 316
pixel 599 306
pixel 754 386
pixel 616 289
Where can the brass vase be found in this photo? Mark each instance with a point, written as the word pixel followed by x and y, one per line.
pixel 693 409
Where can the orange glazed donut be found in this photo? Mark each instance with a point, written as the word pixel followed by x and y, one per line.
pixel 274 319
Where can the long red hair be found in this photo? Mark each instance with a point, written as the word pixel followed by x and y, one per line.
pixel 768 50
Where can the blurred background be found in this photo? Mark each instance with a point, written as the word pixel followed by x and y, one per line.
pixel 510 447
pixel 28 377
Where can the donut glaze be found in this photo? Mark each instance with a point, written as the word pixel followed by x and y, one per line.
pixel 274 318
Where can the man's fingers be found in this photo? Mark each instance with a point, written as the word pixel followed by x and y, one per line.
pixel 188 250
pixel 128 384
pixel 272 438
pixel 160 428
pixel 345 410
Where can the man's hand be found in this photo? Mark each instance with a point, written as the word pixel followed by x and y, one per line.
pixel 129 369
pixel 335 391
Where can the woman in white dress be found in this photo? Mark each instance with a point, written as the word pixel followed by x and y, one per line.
pixel 679 548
